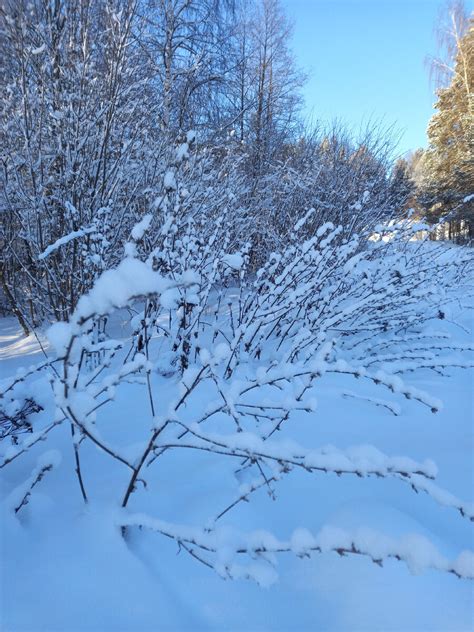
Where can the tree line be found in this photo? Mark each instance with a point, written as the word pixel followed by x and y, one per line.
pixel 443 174
pixel 97 97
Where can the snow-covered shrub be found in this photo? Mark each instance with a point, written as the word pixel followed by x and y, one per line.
pixel 243 354
pixel 14 417
pixel 349 182
pixel 352 292
pixel 19 402
pixel 75 148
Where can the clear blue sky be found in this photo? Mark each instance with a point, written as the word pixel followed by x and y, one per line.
pixel 366 60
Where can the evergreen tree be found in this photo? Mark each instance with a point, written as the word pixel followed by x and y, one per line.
pixel 448 164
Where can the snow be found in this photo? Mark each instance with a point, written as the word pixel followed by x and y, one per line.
pixel 169 181
pixel 234 261
pixel 139 229
pixel 300 223
pixel 39 50
pixel 170 298
pixel 59 336
pixel 416 551
pixel 45 462
pixel 464 564
pixel 182 153
pixel 115 288
pixel 328 226
pixel 316 580
pixel 65 240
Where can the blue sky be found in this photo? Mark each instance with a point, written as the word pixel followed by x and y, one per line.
pixel 366 60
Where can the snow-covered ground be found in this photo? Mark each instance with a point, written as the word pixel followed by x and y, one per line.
pixel 66 566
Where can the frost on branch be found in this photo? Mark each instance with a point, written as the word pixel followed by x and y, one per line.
pixel 225 360
pixel 19 497
pixel 221 548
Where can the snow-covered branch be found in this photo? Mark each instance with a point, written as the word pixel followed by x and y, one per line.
pixel 225 545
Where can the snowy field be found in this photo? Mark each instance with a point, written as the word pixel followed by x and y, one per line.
pixel 66 566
